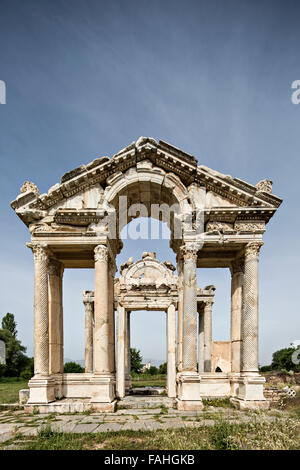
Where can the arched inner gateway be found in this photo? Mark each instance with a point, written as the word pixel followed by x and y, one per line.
pixel 77 224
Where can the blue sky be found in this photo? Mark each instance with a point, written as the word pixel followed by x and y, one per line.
pixel 86 78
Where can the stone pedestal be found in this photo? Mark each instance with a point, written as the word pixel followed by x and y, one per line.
pixel 188 389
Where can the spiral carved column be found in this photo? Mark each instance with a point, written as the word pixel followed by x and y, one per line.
pixel 249 325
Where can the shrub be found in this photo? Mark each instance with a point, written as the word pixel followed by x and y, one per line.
pixel 73 367
pixel 26 374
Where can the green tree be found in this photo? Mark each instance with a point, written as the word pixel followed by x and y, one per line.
pixel 73 367
pixel 136 360
pixel 153 370
pixel 16 360
pixel 163 368
pixel 282 359
pixel 8 323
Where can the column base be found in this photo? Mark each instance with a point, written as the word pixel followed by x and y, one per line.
pixel 103 389
pixel 41 390
pixel 189 398
pixel 189 405
pixel 248 391
pixel 250 404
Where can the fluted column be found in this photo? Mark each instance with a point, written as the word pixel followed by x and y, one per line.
pixel 121 325
pixel 201 342
pixel 102 361
pixel 41 310
pixel 250 309
pixel 189 346
pixel 180 313
pixel 89 334
pixel 237 277
pixel 171 351
pixel 56 359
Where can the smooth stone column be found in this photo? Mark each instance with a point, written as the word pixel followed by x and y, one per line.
pixel 171 352
pixel 102 361
pixel 41 310
pixel 56 359
pixel 121 351
pixel 207 336
pixel 237 277
pixel 111 276
pixel 250 310
pixel 89 333
pixel 180 314
pixel 189 345
pixel 201 342
pixel 127 351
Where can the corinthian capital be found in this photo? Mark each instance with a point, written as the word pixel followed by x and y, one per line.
pixel 252 250
pixel 40 251
pixel 189 251
pixel 55 268
pixel 101 253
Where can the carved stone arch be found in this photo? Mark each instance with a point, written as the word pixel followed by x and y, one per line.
pixel 146 184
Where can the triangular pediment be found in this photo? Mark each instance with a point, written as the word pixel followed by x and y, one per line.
pixel 83 187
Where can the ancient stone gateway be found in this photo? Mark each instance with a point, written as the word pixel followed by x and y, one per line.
pixel 215 221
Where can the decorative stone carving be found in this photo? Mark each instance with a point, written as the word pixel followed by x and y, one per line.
pixel 265 186
pixel 101 253
pixel 218 226
pixel 28 186
pixel 55 268
pixel 252 250
pixel 40 252
pixel 189 251
pixel 242 226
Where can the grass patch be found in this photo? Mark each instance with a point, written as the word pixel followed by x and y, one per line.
pixel 10 387
pixel 258 434
pixel 147 380
pixel 218 403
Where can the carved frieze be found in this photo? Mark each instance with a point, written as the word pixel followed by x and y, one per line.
pixel 219 227
pixel 251 226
